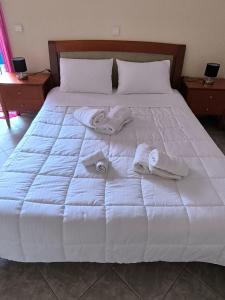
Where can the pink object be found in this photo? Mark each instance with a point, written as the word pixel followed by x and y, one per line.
pixel 4 43
pixel 11 115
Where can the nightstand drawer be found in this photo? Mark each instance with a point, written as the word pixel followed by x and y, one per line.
pixel 200 96
pixel 17 94
pixel 202 108
pixel 23 96
pixel 24 106
pixel 206 102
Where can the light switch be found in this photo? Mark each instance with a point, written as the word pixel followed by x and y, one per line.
pixel 116 31
pixel 19 28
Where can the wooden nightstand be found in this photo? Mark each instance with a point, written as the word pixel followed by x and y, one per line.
pixel 22 96
pixel 204 99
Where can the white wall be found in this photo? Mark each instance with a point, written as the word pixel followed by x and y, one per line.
pixel 200 24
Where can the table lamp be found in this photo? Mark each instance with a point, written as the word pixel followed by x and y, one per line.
pixel 20 67
pixel 211 72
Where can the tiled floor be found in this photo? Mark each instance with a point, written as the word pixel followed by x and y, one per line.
pixel 65 281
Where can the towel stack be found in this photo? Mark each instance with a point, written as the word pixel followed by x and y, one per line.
pixel 146 160
pixel 117 117
pixel 104 123
pixel 158 163
pixel 96 159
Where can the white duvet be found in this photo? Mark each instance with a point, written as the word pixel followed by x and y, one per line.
pixel 53 209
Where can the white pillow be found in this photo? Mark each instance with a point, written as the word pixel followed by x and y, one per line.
pixel 146 77
pixel 86 75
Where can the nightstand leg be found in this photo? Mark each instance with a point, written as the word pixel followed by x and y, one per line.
pixel 5 111
pixel 8 123
pixel 7 119
pixel 6 114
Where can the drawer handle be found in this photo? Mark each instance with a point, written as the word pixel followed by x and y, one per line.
pixel 207 109
pixel 211 97
pixel 18 93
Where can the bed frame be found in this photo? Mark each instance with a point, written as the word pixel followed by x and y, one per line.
pixel 176 51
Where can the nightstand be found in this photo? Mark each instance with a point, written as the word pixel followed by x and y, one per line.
pixel 204 99
pixel 22 95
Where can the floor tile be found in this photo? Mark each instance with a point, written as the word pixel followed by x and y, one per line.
pixel 12 131
pixel 23 282
pixel 214 129
pixel 22 123
pixel 9 137
pixel 188 287
pixel 70 280
pixel 9 141
pixel 149 280
pixel 212 123
pixel 3 128
pixel 213 275
pixel 218 137
pixel 109 287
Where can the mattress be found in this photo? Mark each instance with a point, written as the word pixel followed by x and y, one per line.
pixel 54 209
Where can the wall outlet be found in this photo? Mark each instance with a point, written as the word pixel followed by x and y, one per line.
pixel 19 28
pixel 116 30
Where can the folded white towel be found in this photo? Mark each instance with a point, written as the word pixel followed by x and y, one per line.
pixel 90 117
pixel 110 127
pixel 141 159
pixel 98 159
pixel 173 165
pixel 117 117
pixel 119 113
pixel 163 174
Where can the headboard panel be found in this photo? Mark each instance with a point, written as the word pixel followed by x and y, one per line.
pixel 125 50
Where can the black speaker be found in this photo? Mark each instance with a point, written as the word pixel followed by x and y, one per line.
pixel 211 72
pixel 20 67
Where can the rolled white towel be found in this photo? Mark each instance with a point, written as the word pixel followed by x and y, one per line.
pixel 102 166
pixel 96 159
pixel 173 165
pixel 163 174
pixel 90 117
pixel 93 158
pixel 141 159
pixel 117 117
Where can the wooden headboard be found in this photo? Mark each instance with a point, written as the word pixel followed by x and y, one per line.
pixel 175 51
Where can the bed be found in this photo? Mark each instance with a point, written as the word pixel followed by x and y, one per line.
pixel 53 209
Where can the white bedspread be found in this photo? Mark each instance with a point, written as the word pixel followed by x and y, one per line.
pixel 53 209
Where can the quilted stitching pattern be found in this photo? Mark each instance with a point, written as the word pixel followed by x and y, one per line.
pixel 54 209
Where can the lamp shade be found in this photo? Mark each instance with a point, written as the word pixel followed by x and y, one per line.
pixel 19 64
pixel 212 70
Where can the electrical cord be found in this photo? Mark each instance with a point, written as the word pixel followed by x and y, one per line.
pixel 42 71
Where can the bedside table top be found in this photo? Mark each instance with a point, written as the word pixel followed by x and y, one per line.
pixel 33 79
pixel 198 83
